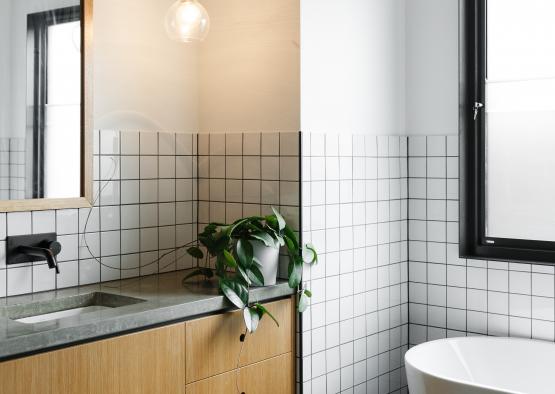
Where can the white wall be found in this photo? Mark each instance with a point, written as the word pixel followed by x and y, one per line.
pixel 142 79
pixel 250 66
pixel 432 67
pixel 353 66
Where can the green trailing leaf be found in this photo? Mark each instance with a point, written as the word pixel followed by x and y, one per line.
pixel 195 252
pixel 220 265
pixel 206 272
pixel 280 220
pixel 237 293
pixel 209 229
pixel 221 243
pixel 272 223
pixel 264 238
pixel 290 246
pixel 229 259
pixel 254 226
pixel 255 275
pixel 309 254
pixel 295 272
pixel 237 223
pixel 244 252
pixel 208 241
pixel 252 318
pixel 256 262
pixel 289 234
pixel 261 310
pixel 244 275
pixel 303 300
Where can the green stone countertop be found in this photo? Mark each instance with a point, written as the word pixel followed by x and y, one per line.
pixel 166 300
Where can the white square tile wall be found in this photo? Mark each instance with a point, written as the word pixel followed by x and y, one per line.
pixel 146 203
pixel 12 168
pixel 143 208
pixel 243 174
pixel 354 210
pixel 450 296
pixel 382 211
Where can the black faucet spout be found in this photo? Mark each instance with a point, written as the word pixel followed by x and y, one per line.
pixel 49 254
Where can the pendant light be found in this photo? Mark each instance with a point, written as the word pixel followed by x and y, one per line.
pixel 187 21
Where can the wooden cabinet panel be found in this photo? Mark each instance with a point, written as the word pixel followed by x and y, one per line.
pixel 213 342
pixel 103 363
pixel 70 370
pixel 163 360
pixel 90 368
pixel 151 361
pixel 266 377
pixel 30 375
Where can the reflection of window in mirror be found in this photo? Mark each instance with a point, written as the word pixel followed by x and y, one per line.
pixel 54 98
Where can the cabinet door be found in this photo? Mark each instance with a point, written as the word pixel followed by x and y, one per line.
pixel 30 375
pixel 151 361
pixel 266 377
pixel 213 343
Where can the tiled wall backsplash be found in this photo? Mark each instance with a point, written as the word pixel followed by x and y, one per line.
pixel 354 210
pixel 382 212
pixel 450 296
pixel 245 174
pixel 12 168
pixel 146 204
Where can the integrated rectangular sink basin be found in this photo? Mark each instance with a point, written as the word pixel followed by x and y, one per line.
pixel 41 311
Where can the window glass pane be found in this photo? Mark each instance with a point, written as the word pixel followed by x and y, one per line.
pixel 520 120
pixel 520 39
pixel 62 136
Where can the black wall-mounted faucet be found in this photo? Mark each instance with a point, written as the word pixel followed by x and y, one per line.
pixel 35 247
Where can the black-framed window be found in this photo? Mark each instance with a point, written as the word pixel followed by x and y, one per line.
pixel 507 124
pixel 38 31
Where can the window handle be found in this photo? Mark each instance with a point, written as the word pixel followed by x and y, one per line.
pixel 476 107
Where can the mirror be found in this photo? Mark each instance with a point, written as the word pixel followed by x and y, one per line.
pixel 42 123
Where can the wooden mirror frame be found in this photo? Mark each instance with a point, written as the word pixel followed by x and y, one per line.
pixel 86 199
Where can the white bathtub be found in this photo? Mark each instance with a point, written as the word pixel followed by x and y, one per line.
pixel 480 365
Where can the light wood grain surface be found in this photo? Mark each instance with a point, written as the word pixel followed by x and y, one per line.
pixel 213 342
pixel 272 376
pixel 151 361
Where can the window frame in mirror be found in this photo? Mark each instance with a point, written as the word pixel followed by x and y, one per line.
pixel 85 199
pixel 473 242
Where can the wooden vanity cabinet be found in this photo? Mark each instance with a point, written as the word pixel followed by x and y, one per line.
pixel 151 361
pixel 269 376
pixel 197 356
pixel 214 342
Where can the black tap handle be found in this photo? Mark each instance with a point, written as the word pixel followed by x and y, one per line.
pixel 55 247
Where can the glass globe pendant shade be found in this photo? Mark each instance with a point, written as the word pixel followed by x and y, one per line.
pixel 187 21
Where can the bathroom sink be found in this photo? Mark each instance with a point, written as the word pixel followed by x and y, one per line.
pixel 41 311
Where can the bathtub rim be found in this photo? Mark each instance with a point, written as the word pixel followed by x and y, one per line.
pixel 464 339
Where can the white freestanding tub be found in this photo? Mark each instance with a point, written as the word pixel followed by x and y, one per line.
pixel 481 365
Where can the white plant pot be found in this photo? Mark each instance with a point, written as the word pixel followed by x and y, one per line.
pixel 269 261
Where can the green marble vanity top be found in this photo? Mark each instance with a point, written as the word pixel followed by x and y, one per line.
pixel 109 308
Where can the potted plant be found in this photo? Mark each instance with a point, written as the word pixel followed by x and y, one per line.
pixel 246 253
